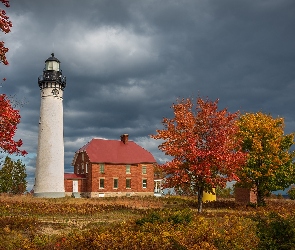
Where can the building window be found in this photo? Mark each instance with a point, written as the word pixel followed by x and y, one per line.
pixel 82 168
pixel 128 183
pixel 101 168
pixel 144 183
pixel 128 169
pixel 101 183
pixel 86 168
pixel 116 182
pixel 143 169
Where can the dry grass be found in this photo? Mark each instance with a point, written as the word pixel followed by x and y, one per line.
pixel 56 216
pixel 65 223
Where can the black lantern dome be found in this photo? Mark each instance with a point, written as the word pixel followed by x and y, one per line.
pixel 52 75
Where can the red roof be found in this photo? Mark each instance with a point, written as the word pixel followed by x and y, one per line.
pixel 116 152
pixel 74 176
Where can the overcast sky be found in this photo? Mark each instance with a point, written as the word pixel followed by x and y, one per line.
pixel 127 61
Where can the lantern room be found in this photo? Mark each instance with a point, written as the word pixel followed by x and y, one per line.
pixel 52 75
pixel 52 63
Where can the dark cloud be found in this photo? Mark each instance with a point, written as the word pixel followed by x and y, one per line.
pixel 126 62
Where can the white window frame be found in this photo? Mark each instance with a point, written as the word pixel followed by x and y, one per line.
pixel 99 184
pixel 128 179
pixel 128 169
pixel 144 183
pixel 115 179
pixel 144 169
pixel 101 168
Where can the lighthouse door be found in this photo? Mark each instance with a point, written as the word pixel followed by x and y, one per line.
pixel 75 186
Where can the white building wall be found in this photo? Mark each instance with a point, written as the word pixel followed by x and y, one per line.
pixel 49 175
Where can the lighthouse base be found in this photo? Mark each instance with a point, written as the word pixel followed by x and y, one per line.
pixel 50 195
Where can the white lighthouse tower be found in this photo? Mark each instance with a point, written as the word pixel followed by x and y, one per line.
pixel 49 176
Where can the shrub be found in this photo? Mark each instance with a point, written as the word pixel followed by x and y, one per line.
pixel 181 217
pixel 291 193
pixel 150 218
pixel 175 217
pixel 276 232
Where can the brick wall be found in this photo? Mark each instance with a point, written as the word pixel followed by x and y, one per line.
pixel 91 184
pixel 245 195
pixel 112 172
pixel 69 185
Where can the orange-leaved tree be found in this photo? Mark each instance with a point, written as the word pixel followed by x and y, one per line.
pixel 270 163
pixel 204 147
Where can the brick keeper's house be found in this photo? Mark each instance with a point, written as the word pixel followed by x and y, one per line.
pixel 104 168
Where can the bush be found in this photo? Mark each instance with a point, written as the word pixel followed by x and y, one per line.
pixel 276 232
pixel 291 193
pixel 150 218
pixel 175 217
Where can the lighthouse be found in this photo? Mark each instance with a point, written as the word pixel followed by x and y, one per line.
pixel 49 176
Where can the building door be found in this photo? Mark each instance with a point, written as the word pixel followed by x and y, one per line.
pixel 75 186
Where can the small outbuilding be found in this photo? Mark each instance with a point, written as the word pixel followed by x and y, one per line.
pixel 245 195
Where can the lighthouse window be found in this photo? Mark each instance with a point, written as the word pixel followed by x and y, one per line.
pixel 50 66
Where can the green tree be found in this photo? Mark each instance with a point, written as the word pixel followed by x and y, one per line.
pixel 270 163
pixel 13 177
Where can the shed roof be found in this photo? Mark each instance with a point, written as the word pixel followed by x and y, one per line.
pixel 116 152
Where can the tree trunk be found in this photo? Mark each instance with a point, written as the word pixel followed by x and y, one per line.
pixel 260 198
pixel 200 198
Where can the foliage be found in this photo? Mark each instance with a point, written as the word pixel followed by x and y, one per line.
pixel 276 231
pixel 175 217
pixel 203 143
pixel 36 223
pixel 270 165
pixel 291 193
pixel 224 192
pixel 13 177
pixel 5 26
pixel 9 119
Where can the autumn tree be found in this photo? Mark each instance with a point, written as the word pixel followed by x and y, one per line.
pixel 13 177
pixel 270 163
pixel 202 142
pixel 9 119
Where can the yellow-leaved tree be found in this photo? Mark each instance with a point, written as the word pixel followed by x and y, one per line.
pixel 270 163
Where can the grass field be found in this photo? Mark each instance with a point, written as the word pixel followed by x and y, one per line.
pixel 143 223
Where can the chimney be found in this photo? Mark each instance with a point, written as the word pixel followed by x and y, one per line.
pixel 124 138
